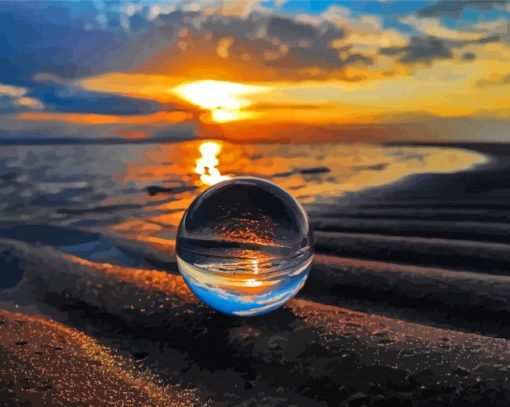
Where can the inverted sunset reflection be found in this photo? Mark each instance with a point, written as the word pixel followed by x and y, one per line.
pixel 235 282
pixel 207 164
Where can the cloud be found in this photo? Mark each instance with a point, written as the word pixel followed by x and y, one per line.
pixel 225 39
pixel 70 98
pixel 420 49
pixel 14 99
pixel 455 8
pixel 439 39
pixel 468 56
pixel 52 94
pixel 260 46
pixel 325 59
pixel 494 80
pixel 49 48
pixel 364 34
pixel 304 45
pixel 499 28
pixel 222 49
pixel 433 27
pixel 236 7
pixel 72 41
pixel 426 49
pixel 287 106
pixel 289 31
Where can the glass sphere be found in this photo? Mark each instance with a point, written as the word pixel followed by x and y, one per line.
pixel 244 246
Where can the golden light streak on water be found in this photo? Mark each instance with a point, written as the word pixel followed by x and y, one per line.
pixel 207 164
pixel 255 266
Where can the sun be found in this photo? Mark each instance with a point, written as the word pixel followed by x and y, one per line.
pixel 225 100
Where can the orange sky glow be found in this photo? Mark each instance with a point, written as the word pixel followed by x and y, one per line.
pixel 247 73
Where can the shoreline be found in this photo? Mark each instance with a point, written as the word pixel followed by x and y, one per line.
pixel 404 306
pixel 259 353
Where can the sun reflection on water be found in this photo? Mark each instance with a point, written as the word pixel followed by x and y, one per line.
pixel 255 266
pixel 206 165
pixel 182 167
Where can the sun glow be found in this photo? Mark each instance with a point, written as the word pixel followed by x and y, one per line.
pixel 206 165
pixel 225 100
pixel 251 282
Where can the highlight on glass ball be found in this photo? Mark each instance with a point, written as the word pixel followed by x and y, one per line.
pixel 244 246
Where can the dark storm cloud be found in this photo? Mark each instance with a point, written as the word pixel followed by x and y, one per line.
pixel 454 8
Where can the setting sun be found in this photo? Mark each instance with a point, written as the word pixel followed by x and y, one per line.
pixel 225 100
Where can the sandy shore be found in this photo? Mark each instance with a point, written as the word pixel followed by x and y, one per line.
pixel 308 352
pixel 406 305
pixel 47 363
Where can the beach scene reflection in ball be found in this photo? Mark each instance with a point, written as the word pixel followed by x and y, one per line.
pixel 244 246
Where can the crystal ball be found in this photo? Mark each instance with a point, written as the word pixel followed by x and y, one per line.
pixel 244 246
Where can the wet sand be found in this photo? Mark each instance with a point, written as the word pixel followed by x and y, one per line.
pixel 406 305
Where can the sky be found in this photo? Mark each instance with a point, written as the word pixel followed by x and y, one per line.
pixel 256 70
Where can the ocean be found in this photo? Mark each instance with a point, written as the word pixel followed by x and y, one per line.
pixel 80 198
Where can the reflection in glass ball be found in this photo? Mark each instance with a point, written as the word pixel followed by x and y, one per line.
pixel 244 246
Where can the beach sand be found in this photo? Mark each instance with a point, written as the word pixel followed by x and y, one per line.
pixel 407 304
